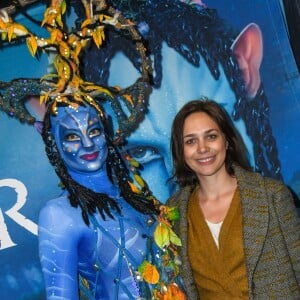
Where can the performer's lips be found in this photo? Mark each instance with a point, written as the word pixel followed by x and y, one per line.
pixel 90 156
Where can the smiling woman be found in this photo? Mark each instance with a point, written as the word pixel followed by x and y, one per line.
pixel 236 225
pixel 203 128
pixel 204 145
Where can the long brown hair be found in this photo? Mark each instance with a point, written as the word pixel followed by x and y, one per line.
pixel 236 153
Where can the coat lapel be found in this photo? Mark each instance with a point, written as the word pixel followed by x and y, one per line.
pixel 182 229
pixel 255 224
pixel 255 216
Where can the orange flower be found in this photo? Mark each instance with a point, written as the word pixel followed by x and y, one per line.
pixel 149 272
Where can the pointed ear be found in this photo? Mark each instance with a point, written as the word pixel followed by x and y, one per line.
pixel 35 108
pixel 248 50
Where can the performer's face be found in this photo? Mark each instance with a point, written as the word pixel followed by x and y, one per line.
pixel 80 139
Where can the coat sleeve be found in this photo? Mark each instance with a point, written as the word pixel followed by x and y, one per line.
pixel 289 223
pixel 180 200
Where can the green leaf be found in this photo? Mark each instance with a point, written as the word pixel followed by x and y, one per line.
pixel 173 214
pixel 139 180
pixel 174 239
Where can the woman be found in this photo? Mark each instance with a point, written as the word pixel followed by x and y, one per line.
pixel 240 231
pixel 94 238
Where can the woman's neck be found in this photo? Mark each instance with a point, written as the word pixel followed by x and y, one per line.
pixel 213 187
pixel 98 182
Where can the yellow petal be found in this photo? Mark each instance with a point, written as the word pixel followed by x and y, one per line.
pixel 59 21
pixel 4 35
pixel 134 188
pixel 139 180
pixel 86 22
pixel 32 45
pixel 10 33
pixel 64 49
pixel 97 37
pixel 134 163
pixel 128 98
pixel 63 7
pixel 19 29
pixel 162 235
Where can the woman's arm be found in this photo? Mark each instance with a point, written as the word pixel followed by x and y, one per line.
pixel 289 223
pixel 58 238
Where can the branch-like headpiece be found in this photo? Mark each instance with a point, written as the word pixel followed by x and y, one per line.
pixel 66 85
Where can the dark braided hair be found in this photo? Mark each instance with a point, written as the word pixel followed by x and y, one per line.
pixel 88 200
pixel 139 201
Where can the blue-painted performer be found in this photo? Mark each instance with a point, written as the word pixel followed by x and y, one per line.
pixel 95 236
pixel 107 236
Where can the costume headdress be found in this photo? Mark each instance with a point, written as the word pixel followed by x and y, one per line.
pixel 67 87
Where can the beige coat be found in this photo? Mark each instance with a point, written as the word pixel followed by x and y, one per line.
pixel 271 235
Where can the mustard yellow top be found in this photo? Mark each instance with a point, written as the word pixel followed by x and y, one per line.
pixel 219 273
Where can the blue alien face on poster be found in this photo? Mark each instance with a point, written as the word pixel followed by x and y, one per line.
pixel 181 82
pixel 184 71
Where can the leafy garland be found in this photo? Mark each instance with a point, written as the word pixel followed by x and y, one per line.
pixel 161 271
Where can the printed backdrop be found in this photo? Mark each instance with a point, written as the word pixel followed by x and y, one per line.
pixel 27 180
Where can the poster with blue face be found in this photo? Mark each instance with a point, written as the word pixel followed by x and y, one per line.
pixel 237 53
